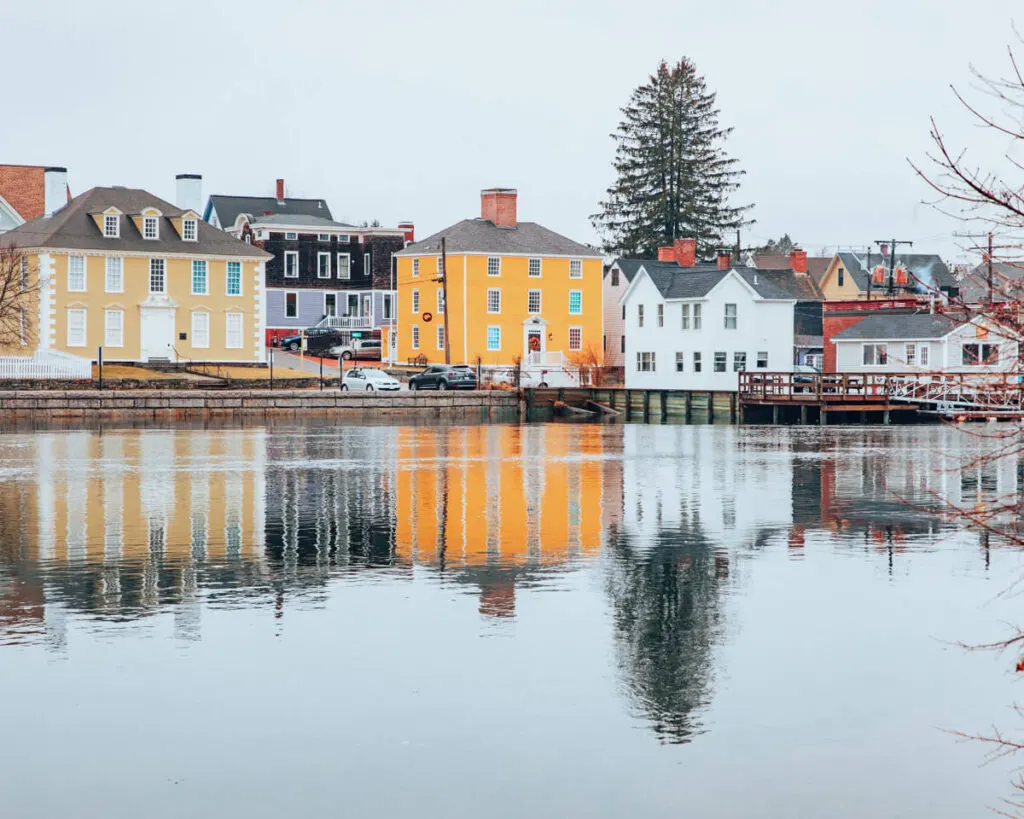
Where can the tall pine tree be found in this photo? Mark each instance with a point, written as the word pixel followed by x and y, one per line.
pixel 674 177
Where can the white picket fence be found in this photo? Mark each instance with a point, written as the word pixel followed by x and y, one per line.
pixel 50 365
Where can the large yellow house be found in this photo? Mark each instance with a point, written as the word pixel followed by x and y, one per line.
pixel 848 276
pixel 121 269
pixel 512 288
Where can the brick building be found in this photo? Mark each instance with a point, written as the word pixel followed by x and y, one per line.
pixel 23 192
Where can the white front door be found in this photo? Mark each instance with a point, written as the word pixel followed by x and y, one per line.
pixel 157 340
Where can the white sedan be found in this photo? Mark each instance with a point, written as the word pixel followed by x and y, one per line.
pixel 368 380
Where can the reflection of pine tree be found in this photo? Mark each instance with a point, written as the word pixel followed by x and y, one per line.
pixel 667 619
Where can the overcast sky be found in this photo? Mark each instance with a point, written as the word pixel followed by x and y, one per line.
pixel 405 109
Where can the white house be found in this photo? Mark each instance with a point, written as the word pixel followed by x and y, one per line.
pixel 695 328
pixel 923 342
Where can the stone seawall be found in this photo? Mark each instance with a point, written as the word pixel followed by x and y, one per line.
pixel 161 404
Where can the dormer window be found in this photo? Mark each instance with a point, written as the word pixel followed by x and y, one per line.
pixel 150 227
pixel 111 226
pixel 189 230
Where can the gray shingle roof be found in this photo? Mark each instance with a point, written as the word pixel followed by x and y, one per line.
pixel 73 228
pixel 228 207
pixel 1007 283
pixel 925 267
pixel 300 220
pixel 629 267
pixel 884 327
pixel 674 282
pixel 483 236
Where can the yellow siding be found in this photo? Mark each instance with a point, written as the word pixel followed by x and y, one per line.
pixel 831 288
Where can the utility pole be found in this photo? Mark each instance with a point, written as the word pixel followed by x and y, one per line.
pixel 991 284
pixel 443 275
pixel 892 260
pixel 867 266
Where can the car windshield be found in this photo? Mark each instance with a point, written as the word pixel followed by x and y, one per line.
pixel 377 375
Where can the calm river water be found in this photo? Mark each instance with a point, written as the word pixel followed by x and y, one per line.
pixel 499 621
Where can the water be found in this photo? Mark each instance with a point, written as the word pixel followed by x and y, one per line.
pixel 549 620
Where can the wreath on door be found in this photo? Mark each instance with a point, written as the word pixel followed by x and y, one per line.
pixel 534 344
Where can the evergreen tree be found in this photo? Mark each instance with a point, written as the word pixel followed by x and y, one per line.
pixel 782 247
pixel 674 177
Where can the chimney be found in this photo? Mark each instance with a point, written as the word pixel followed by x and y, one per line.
pixel 409 229
pixel 885 251
pixel 280 190
pixel 798 261
pixel 724 262
pixel 686 252
pixel 55 189
pixel 499 206
pixel 666 254
pixel 189 191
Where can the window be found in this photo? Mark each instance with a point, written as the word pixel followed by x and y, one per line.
pixel 976 355
pixel 739 362
pixel 200 329
pixel 533 268
pixel 697 365
pixel 24 272
pixel 730 317
pixel 248 238
pixel 645 362
pixel 344 266
pixel 493 300
pixel 189 230
pixel 911 354
pixel 924 350
pixel 291 264
pixel 685 324
pixel 234 282
pixel 842 276
pixel 233 331
pixel 680 358
pixel 23 325
pixel 387 305
pixel 493 338
pixel 113 328
pixel 575 268
pixel 623 312
pixel 440 267
pixel 639 315
pixel 575 302
pixel 76 327
pixel 150 227
pixel 343 238
pixel 323 266
pixel 615 277
pixel 415 336
pixel 622 344
pixel 113 281
pixel 415 301
pixel 493 265
pixel 575 338
pixel 696 317
pixel 533 301
pixel 415 268
pixel 323 237
pixel 440 336
pixel 440 300
pixel 198 277
pixel 111 226
pixel 876 355
pixel 661 315
pixel 366 264
pixel 720 361
pixel 291 235
pixel 330 304
pixel 291 305
pixel 76 274
pixel 762 360
pixel 157 276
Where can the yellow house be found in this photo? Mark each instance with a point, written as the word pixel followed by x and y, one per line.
pixel 121 269
pixel 512 288
pixel 848 275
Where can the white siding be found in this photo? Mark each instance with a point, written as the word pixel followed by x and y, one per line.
pixel 614 327
pixel 944 355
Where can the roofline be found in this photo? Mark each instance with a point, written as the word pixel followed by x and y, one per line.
pixel 407 252
pixel 838 340
pixel 272 198
pixel 90 251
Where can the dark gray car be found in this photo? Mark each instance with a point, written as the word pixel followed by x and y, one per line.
pixel 444 377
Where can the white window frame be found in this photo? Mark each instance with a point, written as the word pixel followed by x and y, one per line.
pixel 323 237
pixel 875 347
pixel 661 315
pixel 531 263
pixel 320 273
pixel 924 355
pixel 227 279
pixel 343 238
pixel 440 337
pixel 204 266
pixel 290 235
pixel 185 225
pixel 387 306
pixel 416 268
pixel 497 347
pixel 697 311
pixel 720 357
pixel 680 362
pixel 494 292
pixel 415 337
pixel 530 294
pixel 910 354
pixel 493 266
pixel 230 318
pixel 162 264
pixel 288 293
pixel 291 254
pixel 734 317
pixel 72 342
pixel 575 268
pixel 415 302
pixel 108 220
pixel 109 265
pixel 578 331
pixel 646 362
pixel 579 310
pixel 639 315
pixel 739 359
pixel 150 221
pixel 85 274
pixel 345 266
pixel 200 341
pixel 119 339
pixel 440 300
pixel 684 321
pixel 366 264
pixel 698 362
pixel 762 356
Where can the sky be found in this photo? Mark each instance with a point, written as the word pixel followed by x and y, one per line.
pixel 404 110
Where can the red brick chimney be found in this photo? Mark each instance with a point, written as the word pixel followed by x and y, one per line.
pixel 280 190
pixel 724 262
pixel 666 254
pixel 410 231
pixel 686 252
pixel 798 261
pixel 498 205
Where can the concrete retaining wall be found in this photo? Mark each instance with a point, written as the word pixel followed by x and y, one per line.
pixel 23 404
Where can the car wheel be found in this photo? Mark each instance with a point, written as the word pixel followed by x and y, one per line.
pixel 294 346
pixel 543 384
pixel 369 387
pixel 344 387
pixel 347 356
pixel 442 385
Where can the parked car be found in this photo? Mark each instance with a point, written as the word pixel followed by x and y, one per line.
pixel 358 348
pixel 444 377
pixel 319 340
pixel 368 380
